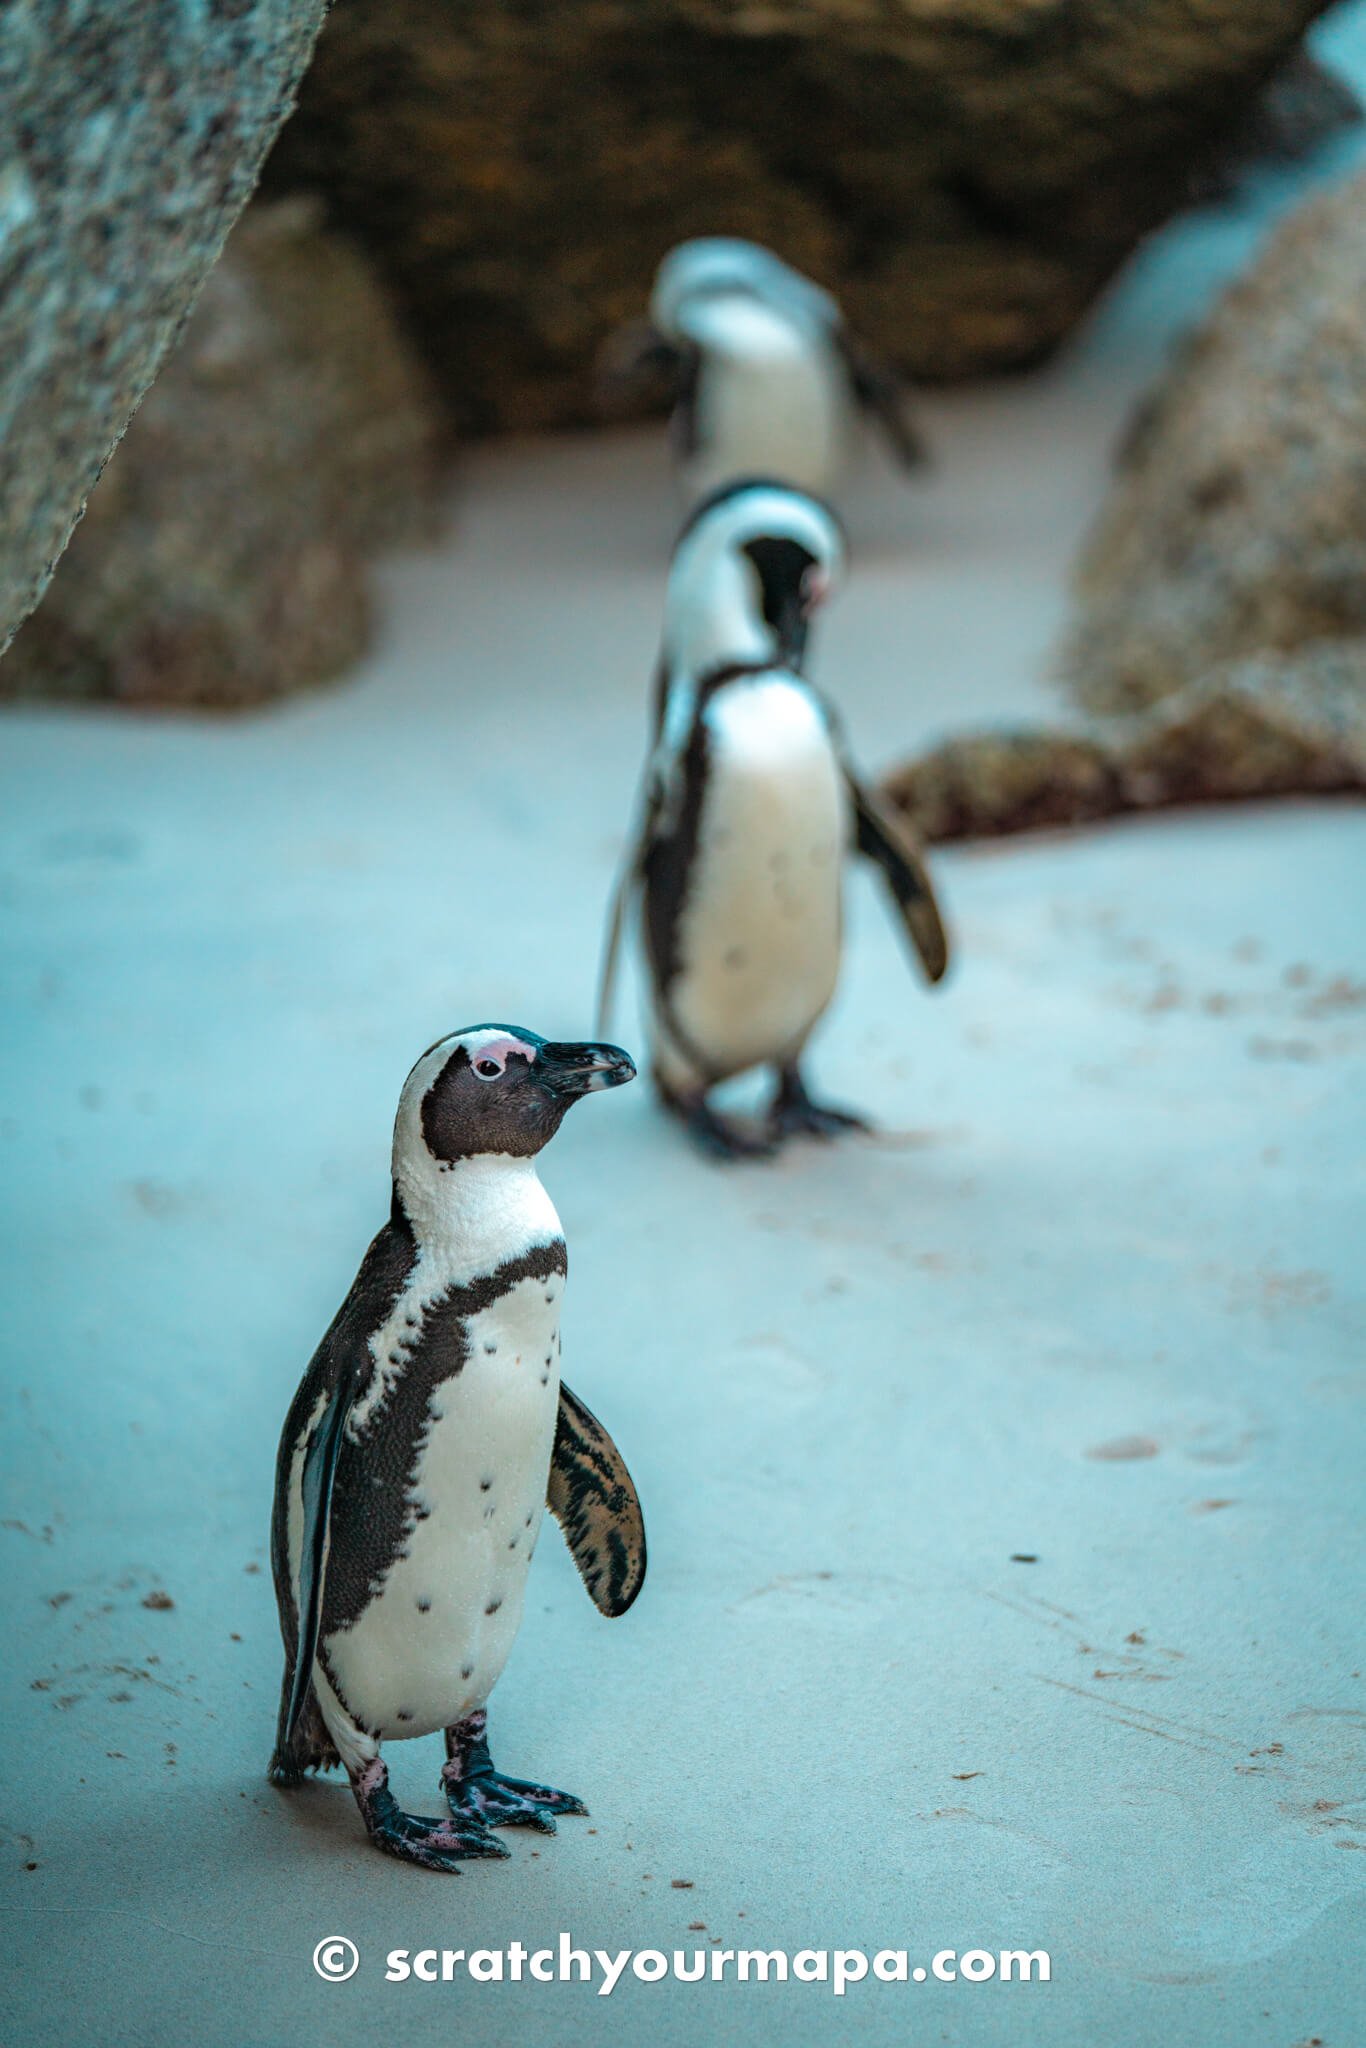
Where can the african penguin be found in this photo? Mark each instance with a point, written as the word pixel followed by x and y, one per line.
pixel 766 378
pixel 749 808
pixel 430 1430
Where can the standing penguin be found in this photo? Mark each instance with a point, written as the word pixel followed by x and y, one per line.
pixel 767 379
pixel 750 806
pixel 430 1430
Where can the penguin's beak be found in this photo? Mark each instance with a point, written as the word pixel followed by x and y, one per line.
pixel 583 1069
pixel 791 636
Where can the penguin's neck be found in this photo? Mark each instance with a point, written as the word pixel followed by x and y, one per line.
pixel 720 635
pixel 476 1214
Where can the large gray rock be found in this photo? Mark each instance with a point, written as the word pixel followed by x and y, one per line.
pixel 223 559
pixel 1219 649
pixel 132 134
pixel 966 176
pixel 1237 524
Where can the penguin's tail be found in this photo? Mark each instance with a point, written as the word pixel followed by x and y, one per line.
pixel 309 1748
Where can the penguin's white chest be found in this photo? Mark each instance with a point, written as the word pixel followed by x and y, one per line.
pixel 433 1639
pixel 759 940
pixel 770 402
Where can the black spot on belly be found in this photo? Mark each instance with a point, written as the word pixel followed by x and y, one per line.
pixel 411 1321
pixel 550 1297
pixel 467 1670
pixel 424 1605
pixel 404 1715
pixel 493 1606
pixel 513 1544
pixel 484 1485
pixel 490 1348
pixel 528 1521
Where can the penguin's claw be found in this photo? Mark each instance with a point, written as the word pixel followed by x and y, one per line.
pixel 723 1139
pixel 795 1115
pixel 435 1844
pixel 490 1800
pixel 719 1136
pixel 413 1837
pixel 815 1120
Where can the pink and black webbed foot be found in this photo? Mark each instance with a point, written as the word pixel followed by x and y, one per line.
pixel 720 1137
pixel 478 1795
pixel 795 1115
pixel 435 1844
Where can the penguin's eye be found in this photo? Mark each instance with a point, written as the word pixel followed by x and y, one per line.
pixel 814 589
pixel 487 1067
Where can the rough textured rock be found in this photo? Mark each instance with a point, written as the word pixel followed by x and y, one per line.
pixel 1269 726
pixel 1238 522
pixel 1220 647
pixel 222 559
pixel 966 176
pixel 132 136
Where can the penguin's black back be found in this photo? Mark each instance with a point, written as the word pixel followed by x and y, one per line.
pixel 376 1287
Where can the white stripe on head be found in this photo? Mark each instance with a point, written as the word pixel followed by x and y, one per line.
pixel 413 1166
pixel 717 264
pixel 486 1207
pixel 712 609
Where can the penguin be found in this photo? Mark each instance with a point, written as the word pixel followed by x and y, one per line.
pixel 765 376
pixel 750 805
pixel 428 1433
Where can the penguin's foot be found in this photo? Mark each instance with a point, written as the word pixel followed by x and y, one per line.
pixel 795 1115
pixel 480 1796
pixel 719 1136
pixel 435 1844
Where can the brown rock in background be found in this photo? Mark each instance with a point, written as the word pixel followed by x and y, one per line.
pixel 222 560
pixel 966 176
pixel 1237 525
pixel 1220 645
pixel 1272 726
pixel 131 137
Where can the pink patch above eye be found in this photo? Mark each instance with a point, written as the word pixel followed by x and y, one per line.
pixel 496 1054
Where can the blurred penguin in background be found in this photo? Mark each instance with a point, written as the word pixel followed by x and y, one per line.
pixel 766 378
pixel 750 808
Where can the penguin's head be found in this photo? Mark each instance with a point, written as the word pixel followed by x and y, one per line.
pixel 753 564
pixel 494 1089
pixel 722 266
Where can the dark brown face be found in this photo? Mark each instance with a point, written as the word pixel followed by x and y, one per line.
pixel 792 585
pixel 506 1090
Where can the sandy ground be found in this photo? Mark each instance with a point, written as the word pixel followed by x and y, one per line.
pixel 1091 1300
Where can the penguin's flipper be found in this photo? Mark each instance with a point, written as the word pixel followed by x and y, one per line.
pixel 593 1498
pixel 635 364
pixel 648 808
pixel 879 391
pixel 319 1473
pixel 885 839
